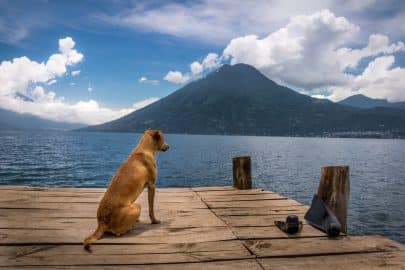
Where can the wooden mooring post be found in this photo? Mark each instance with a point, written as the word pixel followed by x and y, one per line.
pixel 334 189
pixel 242 172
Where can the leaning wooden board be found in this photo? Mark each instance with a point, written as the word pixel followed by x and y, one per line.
pixel 202 228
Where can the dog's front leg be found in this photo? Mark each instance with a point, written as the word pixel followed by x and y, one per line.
pixel 151 197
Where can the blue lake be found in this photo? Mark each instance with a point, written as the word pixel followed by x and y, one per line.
pixel 289 166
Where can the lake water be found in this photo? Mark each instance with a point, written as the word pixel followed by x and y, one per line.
pixel 289 166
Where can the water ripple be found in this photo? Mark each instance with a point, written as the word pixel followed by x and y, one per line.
pixel 290 166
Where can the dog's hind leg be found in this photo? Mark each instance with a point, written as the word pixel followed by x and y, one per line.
pixel 126 219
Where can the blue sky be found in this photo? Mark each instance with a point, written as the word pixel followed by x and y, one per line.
pixel 115 58
pixel 131 53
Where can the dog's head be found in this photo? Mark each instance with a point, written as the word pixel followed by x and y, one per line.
pixel 158 140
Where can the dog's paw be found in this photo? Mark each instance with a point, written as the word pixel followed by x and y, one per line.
pixel 155 221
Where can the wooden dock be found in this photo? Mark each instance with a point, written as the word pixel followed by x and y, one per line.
pixel 201 228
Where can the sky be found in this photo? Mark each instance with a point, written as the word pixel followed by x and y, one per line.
pixel 94 61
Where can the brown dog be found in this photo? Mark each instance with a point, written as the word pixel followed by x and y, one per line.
pixel 117 213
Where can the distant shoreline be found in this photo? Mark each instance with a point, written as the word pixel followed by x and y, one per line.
pixel 343 134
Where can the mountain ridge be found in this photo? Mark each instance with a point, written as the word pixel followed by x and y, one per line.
pixel 364 102
pixel 239 100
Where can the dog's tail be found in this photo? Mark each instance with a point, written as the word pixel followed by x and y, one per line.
pixel 98 233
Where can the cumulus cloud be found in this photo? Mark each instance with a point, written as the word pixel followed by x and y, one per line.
pixel 22 76
pixel 381 80
pixel 75 72
pixel 16 75
pixel 143 79
pixel 211 61
pixel 311 54
pixel 57 63
pixel 301 53
pixel 196 68
pixel 377 44
pixel 176 77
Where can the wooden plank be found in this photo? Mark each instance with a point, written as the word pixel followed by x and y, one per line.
pixel 251 204
pixel 169 219
pixel 248 264
pixel 81 190
pixel 367 261
pixel 242 197
pixel 232 192
pixel 320 246
pixel 123 254
pixel 62 189
pixel 273 232
pixel 48 193
pixel 141 235
pixel 93 206
pixel 85 259
pixel 257 221
pixel 215 188
pixel 47 213
pixel 124 249
pixel 260 211
pixel 45 226
pixel 90 212
pixel 18 198
pixel 60 193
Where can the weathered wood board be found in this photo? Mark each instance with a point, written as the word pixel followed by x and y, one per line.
pixel 360 261
pixel 201 228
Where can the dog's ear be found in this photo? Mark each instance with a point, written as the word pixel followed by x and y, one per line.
pixel 156 136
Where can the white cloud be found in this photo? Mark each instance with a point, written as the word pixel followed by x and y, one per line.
pixel 319 96
pixel 27 77
pixel 311 53
pixel 143 79
pixel 377 44
pixel 287 54
pixel 58 63
pixel 75 72
pixel 177 77
pixel 219 21
pixel 48 106
pixel 143 103
pixel 196 68
pixel 381 80
pixel 211 61
pixel 139 105
pixel 16 75
pixel 72 84
pixel 52 82
pixel 13 80
pixel 90 89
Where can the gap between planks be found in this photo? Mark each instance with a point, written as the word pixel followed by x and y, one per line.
pixel 230 228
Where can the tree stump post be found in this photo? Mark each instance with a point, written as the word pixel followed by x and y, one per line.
pixel 334 189
pixel 242 172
